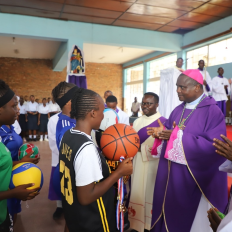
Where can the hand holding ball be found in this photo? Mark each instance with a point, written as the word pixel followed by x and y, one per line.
pixel 119 140
pixel 27 148
pixel 26 173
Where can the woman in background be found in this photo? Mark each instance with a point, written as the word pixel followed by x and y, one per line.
pixel 32 117
pixel 22 118
pixel 54 108
pixel 43 117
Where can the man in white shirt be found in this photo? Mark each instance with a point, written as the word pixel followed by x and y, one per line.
pixel 111 103
pixel 220 90
pixel 135 108
pixel 207 79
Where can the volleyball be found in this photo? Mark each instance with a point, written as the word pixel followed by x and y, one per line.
pixel 119 140
pixel 26 148
pixel 26 173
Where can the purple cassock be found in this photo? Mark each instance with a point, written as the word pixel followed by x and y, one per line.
pixel 182 196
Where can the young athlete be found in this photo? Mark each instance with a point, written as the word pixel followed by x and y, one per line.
pixel 62 95
pixel 86 183
pixel 13 142
pixel 8 114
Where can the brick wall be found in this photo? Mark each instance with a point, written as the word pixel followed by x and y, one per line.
pixel 102 77
pixel 36 77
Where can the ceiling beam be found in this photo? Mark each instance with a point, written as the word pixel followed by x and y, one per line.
pixel 28 26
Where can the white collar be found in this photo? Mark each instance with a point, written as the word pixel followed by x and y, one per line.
pixel 191 105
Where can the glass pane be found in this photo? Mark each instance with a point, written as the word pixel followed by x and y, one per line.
pixel 194 56
pixel 132 91
pixel 153 86
pixel 162 63
pixel 220 52
pixel 135 73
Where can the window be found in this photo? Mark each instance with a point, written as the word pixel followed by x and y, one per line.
pixel 162 63
pixel 213 54
pixel 134 86
pixel 194 56
pixel 220 52
pixel 154 71
pixel 153 86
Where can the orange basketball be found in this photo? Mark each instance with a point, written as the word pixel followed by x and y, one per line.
pixel 119 140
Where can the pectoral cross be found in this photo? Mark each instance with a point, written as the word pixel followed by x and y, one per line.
pixel 181 125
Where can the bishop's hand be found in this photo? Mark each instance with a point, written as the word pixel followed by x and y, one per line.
pixel 204 82
pixel 155 131
pixel 166 134
pixel 223 148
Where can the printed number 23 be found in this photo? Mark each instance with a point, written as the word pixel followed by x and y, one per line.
pixel 67 192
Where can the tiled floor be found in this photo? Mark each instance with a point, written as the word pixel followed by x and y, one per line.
pixel 38 217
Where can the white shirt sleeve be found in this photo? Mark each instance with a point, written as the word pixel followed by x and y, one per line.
pixel 87 165
pixel 52 139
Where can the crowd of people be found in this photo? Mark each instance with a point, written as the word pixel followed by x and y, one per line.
pixel 175 178
pixel 33 117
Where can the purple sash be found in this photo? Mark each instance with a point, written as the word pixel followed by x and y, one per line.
pixel 143 131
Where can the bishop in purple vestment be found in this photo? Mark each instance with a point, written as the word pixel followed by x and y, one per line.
pixel 189 174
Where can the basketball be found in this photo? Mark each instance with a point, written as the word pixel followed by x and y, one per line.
pixel 26 148
pixel 26 173
pixel 119 140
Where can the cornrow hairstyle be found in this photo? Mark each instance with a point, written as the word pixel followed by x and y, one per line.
pixel 3 87
pixel 62 88
pixel 154 95
pixel 111 98
pixel 83 101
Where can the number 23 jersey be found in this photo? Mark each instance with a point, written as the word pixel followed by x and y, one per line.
pixel 100 215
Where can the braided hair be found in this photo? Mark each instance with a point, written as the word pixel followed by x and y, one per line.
pixel 62 88
pixel 83 101
pixel 3 87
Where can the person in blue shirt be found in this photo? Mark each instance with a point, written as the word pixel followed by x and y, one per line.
pixel 62 95
pixel 13 142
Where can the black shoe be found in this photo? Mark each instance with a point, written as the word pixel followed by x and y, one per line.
pixel 35 139
pixel 58 213
pixel 29 140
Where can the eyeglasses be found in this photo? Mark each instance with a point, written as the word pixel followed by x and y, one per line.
pixel 147 103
